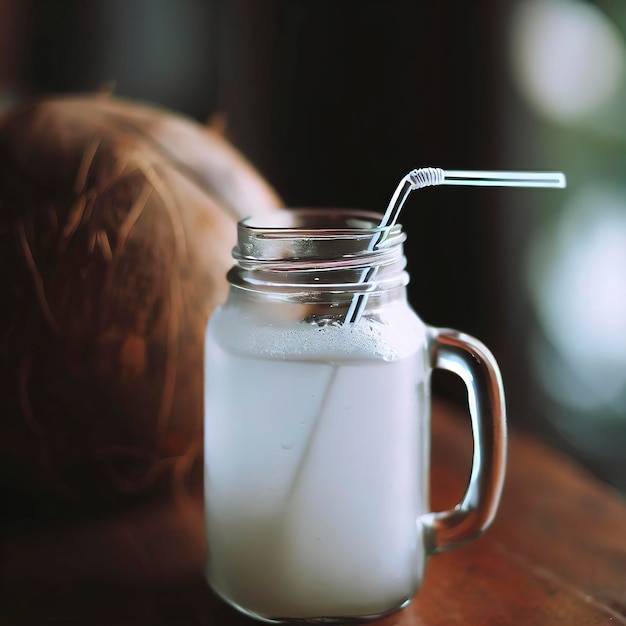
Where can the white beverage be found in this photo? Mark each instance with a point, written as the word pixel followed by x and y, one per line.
pixel 315 463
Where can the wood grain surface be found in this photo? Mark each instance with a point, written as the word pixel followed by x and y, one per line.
pixel 556 554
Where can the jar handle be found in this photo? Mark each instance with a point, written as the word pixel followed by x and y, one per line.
pixel 473 362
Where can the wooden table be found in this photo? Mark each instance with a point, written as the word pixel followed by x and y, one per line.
pixel 556 554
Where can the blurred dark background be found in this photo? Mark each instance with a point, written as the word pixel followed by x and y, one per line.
pixel 334 101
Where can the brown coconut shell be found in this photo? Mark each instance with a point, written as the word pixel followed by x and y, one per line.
pixel 117 222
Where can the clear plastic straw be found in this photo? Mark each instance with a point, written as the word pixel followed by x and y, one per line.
pixel 504 179
pixel 432 176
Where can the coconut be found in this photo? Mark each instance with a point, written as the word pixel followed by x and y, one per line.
pixel 117 222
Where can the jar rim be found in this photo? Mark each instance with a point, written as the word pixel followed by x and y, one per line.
pixel 317 221
pixel 315 234
pixel 307 253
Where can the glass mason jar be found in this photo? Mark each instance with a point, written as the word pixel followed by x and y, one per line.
pixel 317 424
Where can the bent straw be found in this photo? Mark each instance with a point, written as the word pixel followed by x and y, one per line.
pixel 431 176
